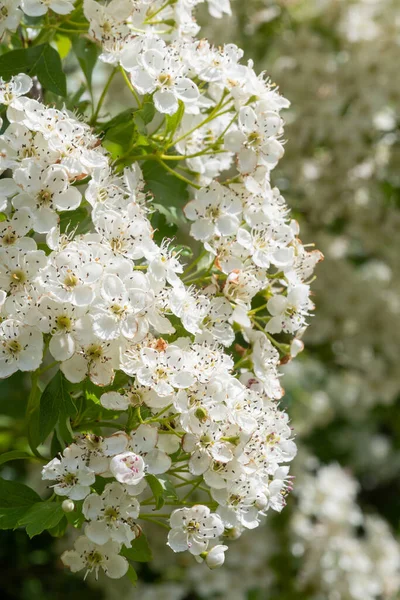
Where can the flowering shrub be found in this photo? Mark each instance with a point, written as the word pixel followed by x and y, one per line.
pixel 151 278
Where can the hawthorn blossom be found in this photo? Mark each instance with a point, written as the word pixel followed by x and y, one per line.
pixel 193 528
pixel 93 557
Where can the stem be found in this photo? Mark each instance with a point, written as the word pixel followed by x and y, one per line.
pixel 102 97
pixel 194 263
pixel 153 519
pixel 196 485
pixel 156 12
pixel 213 115
pixel 158 415
pixel 50 366
pixel 130 86
pixel 178 175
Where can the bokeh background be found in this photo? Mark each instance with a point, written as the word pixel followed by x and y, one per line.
pixel 338 539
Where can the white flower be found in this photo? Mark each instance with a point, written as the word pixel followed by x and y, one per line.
pixel 71 275
pixel 45 191
pixel 19 268
pixel 93 557
pixel 97 450
pixel 165 370
pixel 190 307
pixel 10 15
pixel 127 233
pixel 289 312
pixel 216 210
pixel 216 556
pixel 111 515
pixel 193 528
pixel 95 359
pixel 37 8
pixel 73 477
pixel 10 91
pixel 143 441
pixel 13 230
pixel 113 313
pixel 217 319
pixel 64 322
pixel 255 139
pixel 107 20
pixel 21 348
pixel 128 468
pixel 162 71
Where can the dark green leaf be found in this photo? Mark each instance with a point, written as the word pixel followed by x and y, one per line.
pixel 15 500
pixel 59 529
pixel 157 490
pixel 13 455
pixel 118 139
pixel 167 189
pixel 124 117
pixel 42 61
pixel 41 516
pixel 55 403
pixel 78 219
pixel 140 550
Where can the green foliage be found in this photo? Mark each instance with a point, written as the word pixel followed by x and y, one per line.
pixel 169 191
pixel 55 404
pixel 140 550
pixel 15 500
pixel 162 489
pixel 132 575
pixel 144 116
pixel 157 490
pixel 41 516
pixel 78 219
pixel 42 61
pixel 173 121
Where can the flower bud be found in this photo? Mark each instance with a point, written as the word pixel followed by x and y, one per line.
pixel 68 506
pixel 216 557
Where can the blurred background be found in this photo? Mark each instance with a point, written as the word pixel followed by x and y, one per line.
pixel 338 539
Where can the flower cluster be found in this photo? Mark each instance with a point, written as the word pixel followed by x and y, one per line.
pixel 348 552
pixel 187 357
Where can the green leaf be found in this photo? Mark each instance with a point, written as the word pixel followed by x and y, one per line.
pixel 118 139
pixel 140 550
pixel 123 117
pixel 144 116
pixel 55 403
pixel 131 573
pixel 87 54
pixel 63 44
pixel 174 120
pixel 75 220
pixel 41 516
pixel 13 455
pixel 59 530
pixel 168 487
pixel 42 61
pixel 15 499
pixel 167 189
pixel 157 490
